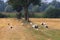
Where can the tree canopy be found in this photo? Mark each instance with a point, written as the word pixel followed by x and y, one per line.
pixel 22 3
pixel 52 12
pixel 18 4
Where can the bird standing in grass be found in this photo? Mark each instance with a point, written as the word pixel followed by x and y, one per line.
pixel 35 26
pixel 44 24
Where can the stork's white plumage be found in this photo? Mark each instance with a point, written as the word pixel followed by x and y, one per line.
pixel 33 26
pixel 43 23
pixel 31 23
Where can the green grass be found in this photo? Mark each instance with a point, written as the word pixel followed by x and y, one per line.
pixel 45 34
pixel 38 15
pixel 11 15
pixel 55 34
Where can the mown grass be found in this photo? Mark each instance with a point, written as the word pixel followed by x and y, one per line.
pixel 45 34
pixel 54 34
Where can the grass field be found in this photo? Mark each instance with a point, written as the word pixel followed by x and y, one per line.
pixel 53 23
pixel 26 32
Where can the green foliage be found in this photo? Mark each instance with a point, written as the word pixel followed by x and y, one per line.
pixel 2 15
pixel 49 8
pixel 19 15
pixel 11 15
pixel 23 3
pixel 18 4
pixel 8 9
pixel 36 15
pixel 52 13
pixel 36 8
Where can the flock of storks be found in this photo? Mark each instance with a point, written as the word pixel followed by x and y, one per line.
pixel 35 26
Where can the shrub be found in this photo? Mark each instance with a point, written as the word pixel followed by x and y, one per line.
pixel 11 15
pixel 2 15
pixel 19 15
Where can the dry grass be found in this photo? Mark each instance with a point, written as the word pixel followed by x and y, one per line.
pixel 19 32
pixel 53 23
pixel 16 33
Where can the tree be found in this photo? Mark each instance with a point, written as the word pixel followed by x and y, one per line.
pixel 52 12
pixel 18 4
pixel 8 8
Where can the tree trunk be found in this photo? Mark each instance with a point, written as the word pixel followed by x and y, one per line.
pixel 26 14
